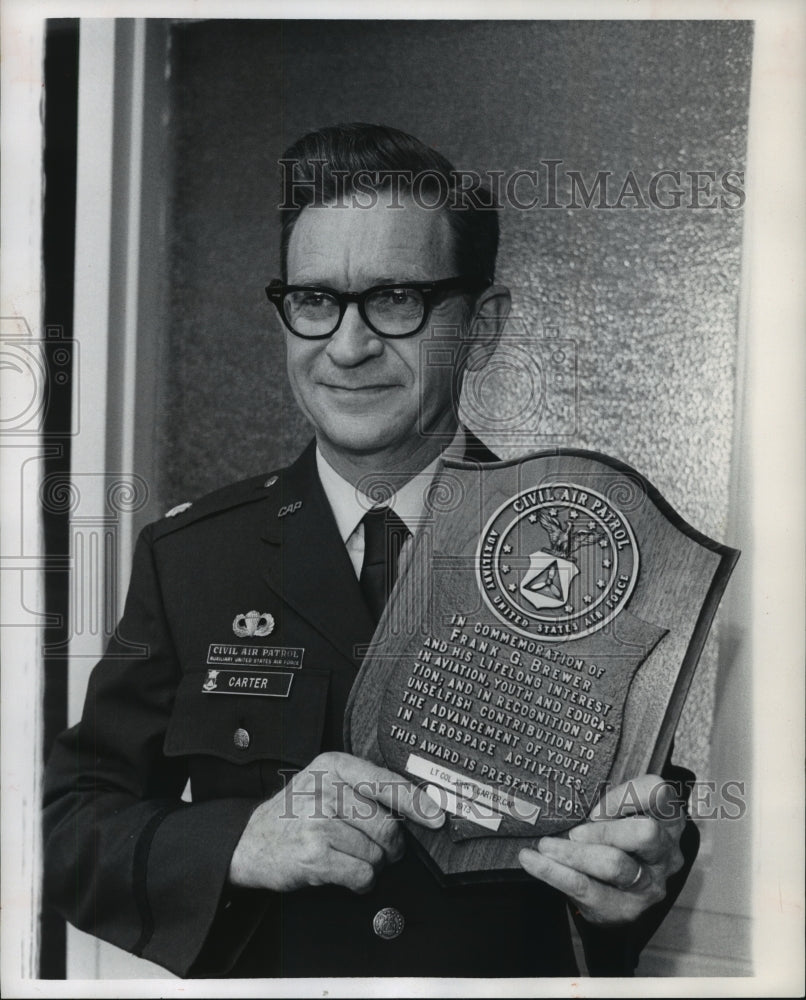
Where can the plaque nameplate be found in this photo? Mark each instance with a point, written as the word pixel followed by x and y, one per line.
pixel 539 643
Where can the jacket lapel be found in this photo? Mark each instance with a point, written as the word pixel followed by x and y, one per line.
pixel 476 450
pixel 307 563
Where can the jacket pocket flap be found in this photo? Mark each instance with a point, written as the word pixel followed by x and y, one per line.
pixel 244 727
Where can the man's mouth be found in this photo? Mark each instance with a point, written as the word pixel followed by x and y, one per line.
pixel 364 388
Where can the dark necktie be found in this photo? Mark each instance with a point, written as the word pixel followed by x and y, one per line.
pixel 384 535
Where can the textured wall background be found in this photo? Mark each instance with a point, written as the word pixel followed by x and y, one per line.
pixel 644 299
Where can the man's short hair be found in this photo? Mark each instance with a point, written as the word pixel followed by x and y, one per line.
pixel 341 163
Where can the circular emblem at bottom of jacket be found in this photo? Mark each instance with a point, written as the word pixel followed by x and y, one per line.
pixel 557 562
pixel 388 923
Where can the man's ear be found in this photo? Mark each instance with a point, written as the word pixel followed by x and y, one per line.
pixel 486 326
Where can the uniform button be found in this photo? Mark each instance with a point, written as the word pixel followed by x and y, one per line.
pixel 388 923
pixel 241 739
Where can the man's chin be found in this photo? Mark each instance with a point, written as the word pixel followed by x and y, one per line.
pixel 370 435
pixel 365 440
pixel 398 437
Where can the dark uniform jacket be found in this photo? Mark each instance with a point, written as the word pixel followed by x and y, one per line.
pixel 129 860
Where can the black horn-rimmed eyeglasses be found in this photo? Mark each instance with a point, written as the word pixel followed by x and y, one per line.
pixel 394 310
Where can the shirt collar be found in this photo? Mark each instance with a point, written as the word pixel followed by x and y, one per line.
pixel 349 505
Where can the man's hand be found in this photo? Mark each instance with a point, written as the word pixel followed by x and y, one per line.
pixel 615 866
pixel 337 822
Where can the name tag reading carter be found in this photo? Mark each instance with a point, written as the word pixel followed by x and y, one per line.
pixel 271 684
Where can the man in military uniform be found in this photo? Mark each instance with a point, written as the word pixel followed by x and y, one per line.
pixel 243 631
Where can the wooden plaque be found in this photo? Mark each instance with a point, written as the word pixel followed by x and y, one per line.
pixel 539 642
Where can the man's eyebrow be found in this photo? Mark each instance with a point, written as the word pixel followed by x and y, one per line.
pixel 371 282
pixel 397 279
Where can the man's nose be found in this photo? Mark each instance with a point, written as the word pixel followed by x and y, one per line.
pixel 353 342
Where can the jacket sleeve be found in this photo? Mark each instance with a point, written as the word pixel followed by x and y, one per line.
pixel 125 858
pixel 615 950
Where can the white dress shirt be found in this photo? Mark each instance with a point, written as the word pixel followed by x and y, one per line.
pixel 349 504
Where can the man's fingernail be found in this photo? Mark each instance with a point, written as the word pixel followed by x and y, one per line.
pixel 435 818
pixel 431 805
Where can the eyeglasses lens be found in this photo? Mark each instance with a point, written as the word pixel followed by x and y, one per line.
pixel 395 311
pixel 311 313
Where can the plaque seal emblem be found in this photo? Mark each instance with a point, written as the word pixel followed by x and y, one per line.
pixel 557 561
